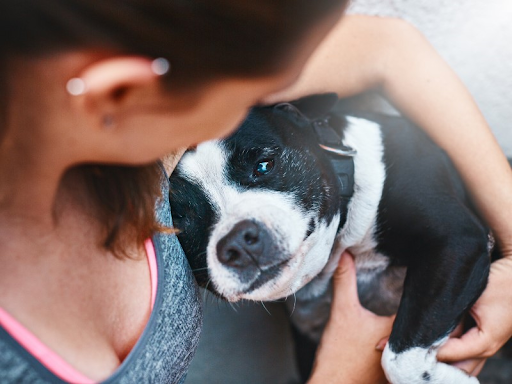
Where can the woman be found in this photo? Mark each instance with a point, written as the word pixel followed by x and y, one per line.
pixel 86 112
pixel 84 295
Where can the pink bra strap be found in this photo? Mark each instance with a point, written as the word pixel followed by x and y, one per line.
pixel 41 352
pixel 153 273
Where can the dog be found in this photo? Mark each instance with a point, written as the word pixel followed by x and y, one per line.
pixel 265 213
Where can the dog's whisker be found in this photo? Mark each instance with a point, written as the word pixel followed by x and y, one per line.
pixel 206 290
pixel 232 306
pixel 294 303
pixel 266 308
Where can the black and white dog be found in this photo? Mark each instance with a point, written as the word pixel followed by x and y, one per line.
pixel 263 213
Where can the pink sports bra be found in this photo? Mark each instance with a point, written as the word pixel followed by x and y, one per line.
pixel 46 356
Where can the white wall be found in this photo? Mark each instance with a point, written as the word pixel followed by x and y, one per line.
pixel 475 38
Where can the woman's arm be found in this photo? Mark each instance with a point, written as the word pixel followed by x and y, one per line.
pixel 365 52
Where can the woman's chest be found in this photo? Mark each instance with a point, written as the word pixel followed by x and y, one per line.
pixel 89 309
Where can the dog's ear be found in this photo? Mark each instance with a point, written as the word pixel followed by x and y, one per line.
pixel 310 107
pixel 315 106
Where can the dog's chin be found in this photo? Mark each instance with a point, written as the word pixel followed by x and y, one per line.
pixel 289 278
pixel 270 291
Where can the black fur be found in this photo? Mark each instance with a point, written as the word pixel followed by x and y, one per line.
pixel 427 223
pixel 192 214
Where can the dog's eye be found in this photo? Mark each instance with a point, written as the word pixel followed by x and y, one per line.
pixel 263 167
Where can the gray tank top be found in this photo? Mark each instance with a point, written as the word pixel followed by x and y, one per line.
pixel 168 343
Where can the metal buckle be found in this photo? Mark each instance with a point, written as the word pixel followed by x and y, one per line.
pixel 343 150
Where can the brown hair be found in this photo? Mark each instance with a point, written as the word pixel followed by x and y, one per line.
pixel 204 39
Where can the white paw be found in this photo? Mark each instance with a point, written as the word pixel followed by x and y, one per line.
pixel 420 366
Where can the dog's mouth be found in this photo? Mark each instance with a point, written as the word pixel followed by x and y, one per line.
pixel 267 254
pixel 266 276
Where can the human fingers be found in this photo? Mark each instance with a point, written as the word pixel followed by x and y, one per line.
pixel 345 283
pixel 346 307
pixel 470 345
pixel 458 331
pixel 471 366
pixel 478 368
pixel 493 315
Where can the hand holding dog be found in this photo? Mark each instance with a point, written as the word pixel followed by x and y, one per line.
pixel 493 315
pixel 347 352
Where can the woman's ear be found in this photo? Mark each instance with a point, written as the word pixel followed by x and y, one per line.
pixel 100 86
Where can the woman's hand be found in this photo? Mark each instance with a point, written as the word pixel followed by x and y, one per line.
pixel 493 316
pixel 347 351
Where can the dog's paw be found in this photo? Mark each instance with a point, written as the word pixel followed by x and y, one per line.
pixel 420 366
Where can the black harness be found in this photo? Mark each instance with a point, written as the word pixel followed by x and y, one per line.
pixel 340 155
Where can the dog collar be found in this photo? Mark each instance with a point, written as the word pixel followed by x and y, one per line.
pixel 340 155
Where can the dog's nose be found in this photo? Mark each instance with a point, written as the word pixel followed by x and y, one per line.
pixel 243 245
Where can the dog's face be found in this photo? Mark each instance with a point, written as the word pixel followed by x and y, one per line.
pixel 258 212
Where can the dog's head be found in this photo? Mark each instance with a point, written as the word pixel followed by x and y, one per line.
pixel 258 212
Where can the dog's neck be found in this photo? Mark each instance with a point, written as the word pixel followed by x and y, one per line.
pixel 356 234
pixel 341 157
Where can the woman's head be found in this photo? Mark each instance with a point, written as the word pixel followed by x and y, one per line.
pixel 225 55
pixel 204 39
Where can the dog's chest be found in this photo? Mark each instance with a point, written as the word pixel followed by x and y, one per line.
pixel 358 234
pixel 379 286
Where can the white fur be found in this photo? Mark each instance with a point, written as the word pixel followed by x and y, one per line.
pixel 365 137
pixel 408 367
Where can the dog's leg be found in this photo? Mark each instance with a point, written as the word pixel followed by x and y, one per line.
pixel 439 288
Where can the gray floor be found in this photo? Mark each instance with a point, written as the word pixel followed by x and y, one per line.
pixel 246 343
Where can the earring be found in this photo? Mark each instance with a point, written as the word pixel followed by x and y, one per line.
pixel 108 122
pixel 160 66
pixel 76 86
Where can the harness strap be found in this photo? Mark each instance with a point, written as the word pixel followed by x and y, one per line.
pixel 340 155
